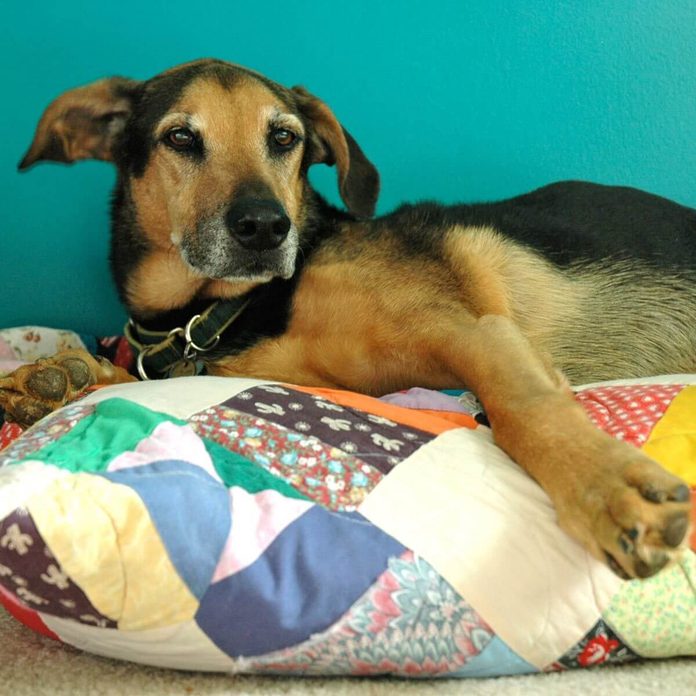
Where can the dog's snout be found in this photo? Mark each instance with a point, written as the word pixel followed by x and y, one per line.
pixel 258 224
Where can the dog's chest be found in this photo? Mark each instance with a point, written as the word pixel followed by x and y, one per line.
pixel 347 329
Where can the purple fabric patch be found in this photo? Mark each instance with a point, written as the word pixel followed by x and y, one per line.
pixel 307 578
pixel 424 399
pixel 29 571
pixel 380 442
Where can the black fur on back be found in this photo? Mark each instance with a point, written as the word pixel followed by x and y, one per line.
pixel 569 222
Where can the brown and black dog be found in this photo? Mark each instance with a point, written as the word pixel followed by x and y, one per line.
pixel 213 203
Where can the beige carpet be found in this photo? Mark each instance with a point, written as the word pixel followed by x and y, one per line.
pixel 31 665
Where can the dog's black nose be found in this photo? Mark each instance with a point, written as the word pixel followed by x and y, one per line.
pixel 258 224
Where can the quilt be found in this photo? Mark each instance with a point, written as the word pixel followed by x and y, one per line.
pixel 240 525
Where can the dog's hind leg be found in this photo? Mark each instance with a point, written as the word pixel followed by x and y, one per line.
pixel 619 504
pixel 33 391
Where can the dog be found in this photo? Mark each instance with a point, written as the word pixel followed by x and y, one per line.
pixel 224 255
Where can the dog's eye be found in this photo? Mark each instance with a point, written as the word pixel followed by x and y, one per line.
pixel 180 138
pixel 283 137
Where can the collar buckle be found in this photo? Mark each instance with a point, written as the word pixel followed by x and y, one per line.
pixel 191 349
pixel 161 353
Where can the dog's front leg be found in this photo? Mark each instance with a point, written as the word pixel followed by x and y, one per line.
pixel 32 391
pixel 622 506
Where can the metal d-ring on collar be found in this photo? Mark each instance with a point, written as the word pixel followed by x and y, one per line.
pixel 191 348
pixel 163 349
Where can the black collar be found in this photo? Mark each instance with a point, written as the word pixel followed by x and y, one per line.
pixel 177 352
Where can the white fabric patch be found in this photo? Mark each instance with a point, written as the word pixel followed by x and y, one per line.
pixel 182 646
pixel 490 530
pixel 179 397
pixel 20 482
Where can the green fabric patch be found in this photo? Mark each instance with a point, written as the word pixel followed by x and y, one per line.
pixel 657 617
pixel 115 426
pixel 236 470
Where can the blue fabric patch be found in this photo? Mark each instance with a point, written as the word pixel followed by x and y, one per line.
pixel 191 511
pixel 494 660
pixel 311 574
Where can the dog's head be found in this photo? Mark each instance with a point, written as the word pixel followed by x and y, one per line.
pixel 214 159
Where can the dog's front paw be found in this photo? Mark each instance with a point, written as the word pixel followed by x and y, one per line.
pixel 33 391
pixel 632 513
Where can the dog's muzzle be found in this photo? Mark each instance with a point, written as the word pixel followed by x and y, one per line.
pixel 254 240
pixel 258 225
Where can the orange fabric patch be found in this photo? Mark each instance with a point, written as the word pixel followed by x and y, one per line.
pixel 422 420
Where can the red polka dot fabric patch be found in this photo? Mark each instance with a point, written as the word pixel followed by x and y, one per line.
pixel 9 432
pixel 630 412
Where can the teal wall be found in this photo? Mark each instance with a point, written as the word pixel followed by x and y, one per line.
pixel 458 100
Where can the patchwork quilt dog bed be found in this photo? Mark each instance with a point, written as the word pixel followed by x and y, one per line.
pixel 245 526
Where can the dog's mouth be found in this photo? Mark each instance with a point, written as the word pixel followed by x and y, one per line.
pixel 211 252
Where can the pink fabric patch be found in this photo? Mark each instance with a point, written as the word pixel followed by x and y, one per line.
pixel 167 441
pixel 257 519
pixel 6 352
pixel 628 413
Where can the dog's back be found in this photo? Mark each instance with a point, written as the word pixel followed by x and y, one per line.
pixel 576 221
pixel 602 278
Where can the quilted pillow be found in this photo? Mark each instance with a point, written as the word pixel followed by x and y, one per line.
pixel 245 526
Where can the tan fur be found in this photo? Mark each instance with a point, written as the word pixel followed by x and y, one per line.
pixel 173 195
pixel 362 320
pixel 162 281
pixel 575 318
pixel 234 125
pixel 348 329
pixel 70 119
pixel 579 317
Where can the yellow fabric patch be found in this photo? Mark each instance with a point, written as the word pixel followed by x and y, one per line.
pixel 102 535
pixel 657 617
pixel 672 441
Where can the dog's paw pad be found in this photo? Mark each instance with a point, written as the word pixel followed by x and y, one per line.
pixel 49 383
pixel 78 371
pixel 675 530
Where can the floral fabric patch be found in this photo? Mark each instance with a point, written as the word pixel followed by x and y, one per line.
pixel 657 616
pixel 600 646
pixel 48 430
pixel 325 474
pixel 411 622
pixel 374 439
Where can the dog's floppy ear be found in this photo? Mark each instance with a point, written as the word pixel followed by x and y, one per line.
pixel 330 143
pixel 82 123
